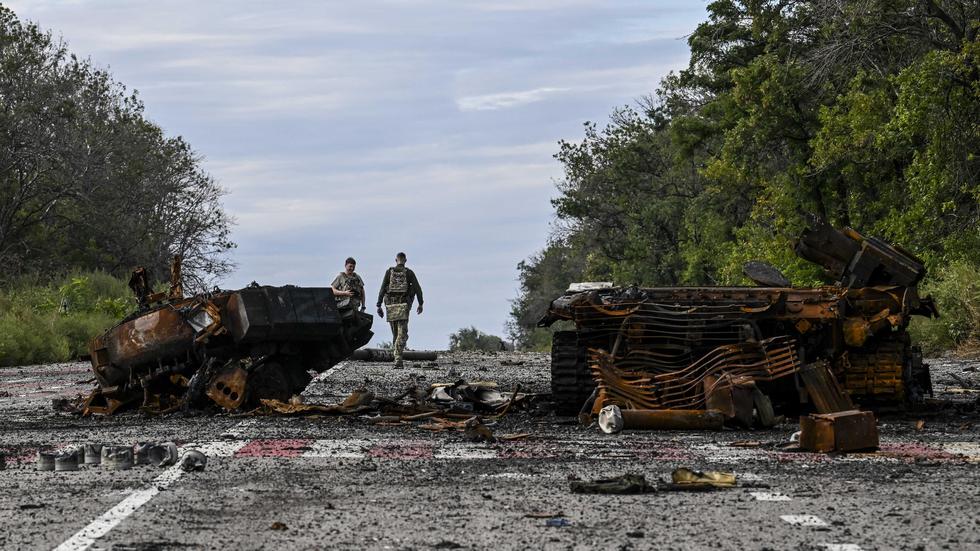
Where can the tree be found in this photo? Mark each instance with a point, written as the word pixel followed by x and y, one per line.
pixel 470 339
pixel 86 181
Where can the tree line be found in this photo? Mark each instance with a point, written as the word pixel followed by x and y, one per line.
pixel 87 182
pixel 865 113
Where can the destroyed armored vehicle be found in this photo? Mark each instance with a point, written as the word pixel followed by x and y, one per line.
pixel 738 350
pixel 228 348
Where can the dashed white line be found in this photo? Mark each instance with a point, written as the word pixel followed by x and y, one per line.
pixel 84 538
pixel 803 520
pixel 770 496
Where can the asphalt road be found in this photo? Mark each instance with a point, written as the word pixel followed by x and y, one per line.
pixel 343 483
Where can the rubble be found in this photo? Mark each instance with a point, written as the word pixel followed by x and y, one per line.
pixel 623 484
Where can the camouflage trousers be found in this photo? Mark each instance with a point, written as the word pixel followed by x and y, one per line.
pixel 399 337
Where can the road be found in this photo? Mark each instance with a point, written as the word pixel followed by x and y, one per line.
pixel 343 483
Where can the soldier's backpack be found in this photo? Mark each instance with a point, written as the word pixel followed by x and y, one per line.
pixel 398 281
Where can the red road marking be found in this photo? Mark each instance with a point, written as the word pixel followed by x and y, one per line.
pixel 913 452
pixel 274 448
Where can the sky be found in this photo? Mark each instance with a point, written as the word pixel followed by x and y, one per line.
pixel 367 128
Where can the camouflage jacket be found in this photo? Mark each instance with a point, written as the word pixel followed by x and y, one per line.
pixel 407 297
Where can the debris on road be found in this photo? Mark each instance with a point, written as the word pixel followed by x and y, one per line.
pixel 624 484
pixel 66 461
pixel 557 522
pixel 45 461
pixel 193 460
pixel 842 432
pixel 684 479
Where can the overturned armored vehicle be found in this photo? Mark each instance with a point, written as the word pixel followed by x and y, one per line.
pixel 746 351
pixel 229 348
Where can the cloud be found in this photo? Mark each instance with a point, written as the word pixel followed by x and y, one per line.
pixel 492 102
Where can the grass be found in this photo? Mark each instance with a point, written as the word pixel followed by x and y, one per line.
pixel 956 290
pixel 43 322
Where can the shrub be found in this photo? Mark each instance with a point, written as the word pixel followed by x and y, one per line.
pixel 54 321
pixel 471 339
pixel 956 290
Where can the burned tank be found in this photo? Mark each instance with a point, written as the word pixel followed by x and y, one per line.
pixel 225 348
pixel 746 351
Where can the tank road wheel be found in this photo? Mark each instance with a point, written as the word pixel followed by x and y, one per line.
pixel 268 382
pixel 571 382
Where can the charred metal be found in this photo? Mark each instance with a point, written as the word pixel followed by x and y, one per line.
pixel 225 348
pixel 748 353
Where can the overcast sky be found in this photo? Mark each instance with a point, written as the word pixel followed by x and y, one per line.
pixel 367 128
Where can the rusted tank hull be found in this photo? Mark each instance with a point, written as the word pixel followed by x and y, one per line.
pixel 179 352
pixel 666 347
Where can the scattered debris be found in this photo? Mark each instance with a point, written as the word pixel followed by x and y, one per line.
pixel 117 458
pixel 66 461
pixel 612 419
pixel 280 526
pixel 45 461
pixel 842 432
pixel 624 484
pixel 476 431
pixel 557 522
pixel 193 460
pixel 687 479
pixel 93 454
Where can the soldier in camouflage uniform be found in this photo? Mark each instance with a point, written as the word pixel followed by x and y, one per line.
pixel 349 288
pixel 399 289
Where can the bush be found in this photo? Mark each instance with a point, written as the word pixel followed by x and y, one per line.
pixel 472 339
pixel 54 321
pixel 956 290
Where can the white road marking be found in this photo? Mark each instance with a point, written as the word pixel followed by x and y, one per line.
pixel 342 449
pixel 803 520
pixel 463 451
pixel 770 496
pixel 84 538
pixel 240 429
pixel 841 546
pixel 970 450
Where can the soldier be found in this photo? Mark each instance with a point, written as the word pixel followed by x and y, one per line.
pixel 398 291
pixel 350 286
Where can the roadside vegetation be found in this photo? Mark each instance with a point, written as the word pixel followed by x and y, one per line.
pixel 54 322
pixel 88 187
pixel 470 339
pixel 861 113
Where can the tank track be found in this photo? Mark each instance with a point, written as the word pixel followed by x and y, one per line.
pixel 571 382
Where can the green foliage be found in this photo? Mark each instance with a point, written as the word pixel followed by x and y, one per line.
pixel 865 114
pixel 54 322
pixel 956 290
pixel 86 181
pixel 470 339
